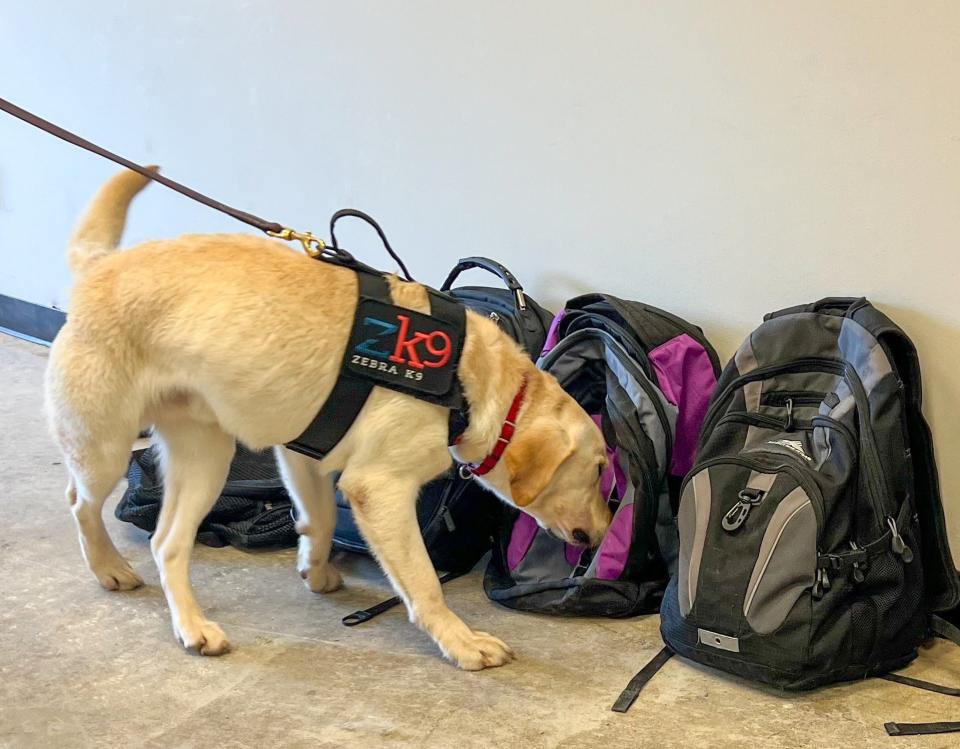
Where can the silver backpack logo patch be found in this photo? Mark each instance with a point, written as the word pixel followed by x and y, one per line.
pixel 795 446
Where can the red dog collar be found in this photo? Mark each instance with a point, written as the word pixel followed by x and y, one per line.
pixel 506 434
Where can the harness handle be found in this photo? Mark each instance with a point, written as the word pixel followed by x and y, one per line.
pixel 491 266
pixel 354 213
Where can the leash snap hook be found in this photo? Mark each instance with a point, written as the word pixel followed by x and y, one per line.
pixel 313 246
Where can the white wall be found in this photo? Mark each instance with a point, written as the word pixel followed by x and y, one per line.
pixel 717 159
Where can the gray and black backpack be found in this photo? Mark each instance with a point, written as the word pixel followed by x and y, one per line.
pixel 813 547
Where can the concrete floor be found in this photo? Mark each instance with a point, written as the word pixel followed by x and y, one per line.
pixel 82 667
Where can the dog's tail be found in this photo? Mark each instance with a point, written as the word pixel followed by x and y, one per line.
pixel 99 230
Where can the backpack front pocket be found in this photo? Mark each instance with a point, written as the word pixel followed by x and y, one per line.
pixel 749 528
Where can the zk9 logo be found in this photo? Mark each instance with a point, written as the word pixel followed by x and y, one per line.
pixel 393 343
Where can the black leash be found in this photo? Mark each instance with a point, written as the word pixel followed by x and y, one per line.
pixel 315 247
pixel 365 615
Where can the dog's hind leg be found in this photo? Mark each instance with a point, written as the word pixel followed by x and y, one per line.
pixel 94 472
pixel 313 495
pixel 84 401
pixel 196 458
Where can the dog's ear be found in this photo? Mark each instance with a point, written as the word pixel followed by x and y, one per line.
pixel 533 457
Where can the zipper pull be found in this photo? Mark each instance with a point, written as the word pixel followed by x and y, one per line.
pixel 789 425
pixel 858 574
pixel 821 584
pixel 897 543
pixel 448 519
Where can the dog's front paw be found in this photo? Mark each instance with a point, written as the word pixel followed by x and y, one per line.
pixel 322 578
pixel 202 636
pixel 478 650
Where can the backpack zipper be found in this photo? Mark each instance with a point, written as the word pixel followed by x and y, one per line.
pixel 751 418
pixel 451 494
pixel 798 365
pixel 799 398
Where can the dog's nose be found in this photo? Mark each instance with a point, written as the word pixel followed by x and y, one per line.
pixel 581 536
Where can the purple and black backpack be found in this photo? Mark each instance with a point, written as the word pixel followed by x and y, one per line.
pixel 646 377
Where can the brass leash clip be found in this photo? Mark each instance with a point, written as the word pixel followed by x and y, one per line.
pixel 313 246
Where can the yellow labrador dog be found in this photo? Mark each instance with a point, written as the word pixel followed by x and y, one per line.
pixel 165 334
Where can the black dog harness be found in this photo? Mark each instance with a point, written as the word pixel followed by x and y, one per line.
pixel 396 348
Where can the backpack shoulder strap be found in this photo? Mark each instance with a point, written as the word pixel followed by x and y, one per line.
pixel 941 581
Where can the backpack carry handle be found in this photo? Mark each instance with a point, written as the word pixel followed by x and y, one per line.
pixel 844 305
pixel 491 266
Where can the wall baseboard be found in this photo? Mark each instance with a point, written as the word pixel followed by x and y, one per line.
pixel 32 322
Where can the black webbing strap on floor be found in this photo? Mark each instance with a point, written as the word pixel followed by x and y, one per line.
pixel 920 729
pixel 638 682
pixel 941 628
pixel 921 684
pixel 365 615
pixel 343 405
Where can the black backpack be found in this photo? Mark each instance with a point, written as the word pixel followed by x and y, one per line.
pixel 457 516
pixel 252 512
pixel 813 547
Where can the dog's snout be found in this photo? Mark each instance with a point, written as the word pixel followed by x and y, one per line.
pixel 581 537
